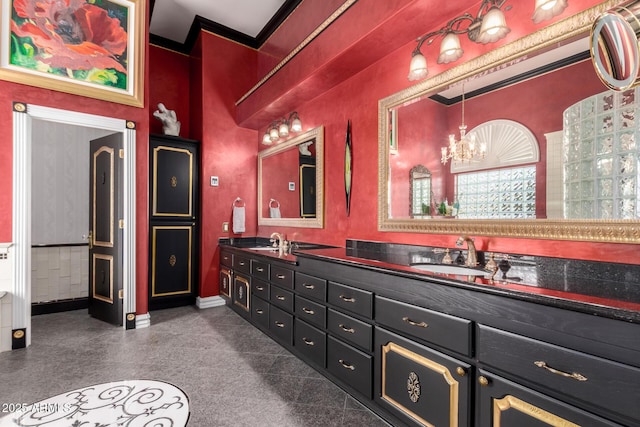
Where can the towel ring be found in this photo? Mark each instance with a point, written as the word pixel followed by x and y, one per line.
pixel 238 200
pixel 271 203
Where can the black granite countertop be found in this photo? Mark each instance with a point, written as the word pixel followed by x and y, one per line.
pixel 599 288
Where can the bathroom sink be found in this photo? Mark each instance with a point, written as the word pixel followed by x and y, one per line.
pixel 264 248
pixel 459 270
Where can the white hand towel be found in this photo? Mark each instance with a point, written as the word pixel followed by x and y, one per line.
pixel 238 219
pixel 274 212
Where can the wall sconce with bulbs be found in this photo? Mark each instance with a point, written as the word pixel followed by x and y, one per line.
pixel 488 26
pixel 281 128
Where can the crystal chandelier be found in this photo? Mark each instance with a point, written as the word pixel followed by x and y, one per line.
pixel 466 148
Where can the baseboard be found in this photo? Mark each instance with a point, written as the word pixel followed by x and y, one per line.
pixel 209 302
pixel 143 320
pixel 59 306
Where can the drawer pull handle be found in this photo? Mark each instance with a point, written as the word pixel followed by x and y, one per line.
pixel 576 376
pixel 279 324
pixel 259 288
pixel 308 286
pixel 280 276
pixel 308 311
pixel 412 323
pixel 280 297
pixel 241 263
pixel 347 365
pixel 259 311
pixel 347 329
pixel 347 299
pixel 259 269
pixel 308 342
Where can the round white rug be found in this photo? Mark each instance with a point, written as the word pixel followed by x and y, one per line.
pixel 134 403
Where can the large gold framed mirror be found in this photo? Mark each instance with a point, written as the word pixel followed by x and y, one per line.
pixel 290 182
pixel 413 105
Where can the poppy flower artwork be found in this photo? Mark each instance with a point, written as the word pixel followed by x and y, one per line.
pixel 92 43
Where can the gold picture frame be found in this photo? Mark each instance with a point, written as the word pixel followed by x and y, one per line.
pixel 56 49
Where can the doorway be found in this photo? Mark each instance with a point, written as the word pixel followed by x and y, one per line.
pixel 23 117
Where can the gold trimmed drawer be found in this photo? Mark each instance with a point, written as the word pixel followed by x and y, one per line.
pixel 351 366
pixel 501 402
pixel 260 269
pixel 226 258
pixel 611 386
pixel 311 342
pixel 346 327
pixel 451 332
pixel 310 311
pixel 281 276
pixel 354 300
pixel 311 287
pixel 260 288
pixel 241 264
pixel 421 385
pixel 282 298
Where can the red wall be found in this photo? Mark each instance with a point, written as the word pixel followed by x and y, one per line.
pixel 225 72
pixel 169 76
pixel 356 99
pixel 220 72
pixel 10 92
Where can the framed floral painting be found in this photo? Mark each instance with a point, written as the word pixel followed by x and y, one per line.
pixel 92 48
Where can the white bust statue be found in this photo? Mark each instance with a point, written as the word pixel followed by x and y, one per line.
pixel 170 124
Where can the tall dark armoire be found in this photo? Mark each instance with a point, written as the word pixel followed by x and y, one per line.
pixel 174 221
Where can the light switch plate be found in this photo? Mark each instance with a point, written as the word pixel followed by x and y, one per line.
pixel 214 181
pixel 225 227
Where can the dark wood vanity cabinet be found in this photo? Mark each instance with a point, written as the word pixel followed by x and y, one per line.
pixel 421 353
pixel 258 293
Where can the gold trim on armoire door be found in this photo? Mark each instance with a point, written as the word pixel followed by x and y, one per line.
pixel 172 260
pixel 173 182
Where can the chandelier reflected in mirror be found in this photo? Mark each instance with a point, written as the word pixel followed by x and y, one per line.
pixel 465 149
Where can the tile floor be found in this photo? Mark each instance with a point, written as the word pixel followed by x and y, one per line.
pixel 233 374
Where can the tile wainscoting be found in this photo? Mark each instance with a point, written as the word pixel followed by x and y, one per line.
pixel 59 273
pixel 6 275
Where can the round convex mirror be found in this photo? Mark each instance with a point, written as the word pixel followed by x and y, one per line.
pixel 614 46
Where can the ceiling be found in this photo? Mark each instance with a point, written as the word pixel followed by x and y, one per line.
pixel 175 24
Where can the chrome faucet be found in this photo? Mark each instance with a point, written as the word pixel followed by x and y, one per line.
pixel 279 241
pixel 472 256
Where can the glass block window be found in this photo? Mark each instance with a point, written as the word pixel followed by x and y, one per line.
pixel 600 157
pixel 497 194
